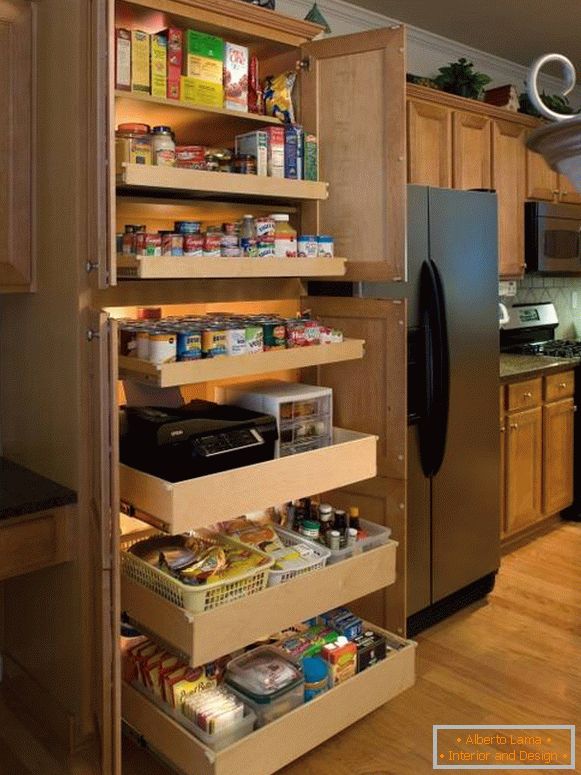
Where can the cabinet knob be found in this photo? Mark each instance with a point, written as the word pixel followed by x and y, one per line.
pixel 523 265
pixel 502 428
pixel 556 192
pixel 574 409
pixel 513 426
pixel 92 335
pixel 528 394
pixel 562 385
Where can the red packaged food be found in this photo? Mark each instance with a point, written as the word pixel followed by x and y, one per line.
pixel 174 61
pixel 191 157
pixel 255 104
pixel 193 244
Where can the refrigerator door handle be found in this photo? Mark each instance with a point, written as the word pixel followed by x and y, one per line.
pixel 434 424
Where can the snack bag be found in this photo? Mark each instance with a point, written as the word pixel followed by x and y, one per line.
pixel 278 96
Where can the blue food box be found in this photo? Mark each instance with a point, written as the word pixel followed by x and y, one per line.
pixel 293 151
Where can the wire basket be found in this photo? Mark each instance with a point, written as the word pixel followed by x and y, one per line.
pixel 202 598
pixel 289 538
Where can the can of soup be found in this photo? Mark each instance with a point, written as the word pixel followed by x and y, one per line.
pixel 274 333
pixel 193 244
pixel 189 344
pixel 162 346
pixel 236 340
pixel 213 341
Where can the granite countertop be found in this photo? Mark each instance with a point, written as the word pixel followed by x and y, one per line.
pixel 513 367
pixel 23 492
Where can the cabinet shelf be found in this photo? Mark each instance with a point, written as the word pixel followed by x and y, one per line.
pixel 181 506
pixel 273 746
pixel 149 178
pixel 186 267
pixel 227 367
pixel 209 635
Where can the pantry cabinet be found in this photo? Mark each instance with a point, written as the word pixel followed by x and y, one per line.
pixel 524 468
pixel 17 145
pixel 429 142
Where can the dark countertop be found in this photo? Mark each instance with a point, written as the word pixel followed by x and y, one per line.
pixel 515 367
pixel 23 492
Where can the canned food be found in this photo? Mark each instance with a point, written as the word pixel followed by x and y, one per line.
pixel 274 334
pixel 128 243
pixel 212 244
pixel 191 157
pixel 172 244
pixel 229 241
pixel 264 228
pixel 326 246
pixel 312 332
pixel 236 340
pixel 235 252
pixel 308 246
pixel 265 247
pixel 249 247
pixel 148 244
pixel 213 341
pixel 295 333
pixel 187 227
pixel 149 313
pixel 212 163
pixel 193 245
pixel 230 228
pixel 162 346
pixel 254 338
pixel 189 344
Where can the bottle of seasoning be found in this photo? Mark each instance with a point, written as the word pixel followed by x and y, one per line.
pixel 351 536
pixel 341 525
pixel 326 516
pixel 285 237
pixel 334 540
pixel 163 146
pixel 355 522
pixel 310 529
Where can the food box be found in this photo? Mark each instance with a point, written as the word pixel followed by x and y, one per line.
pixel 123 59
pixel 342 659
pixel 159 64
pixel 275 151
pixel 311 157
pixel 140 53
pixel 205 57
pixel 202 92
pixel 371 647
pixel 235 77
pixel 293 152
pixel 175 41
pixel 254 144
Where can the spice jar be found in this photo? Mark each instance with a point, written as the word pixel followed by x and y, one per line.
pixel 310 529
pixel 163 146
pixel 132 145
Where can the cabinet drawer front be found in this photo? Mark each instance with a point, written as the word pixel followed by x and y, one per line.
pixel 33 544
pixel 559 386
pixel 524 395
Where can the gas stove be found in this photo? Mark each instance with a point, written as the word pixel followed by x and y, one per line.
pixel 531 331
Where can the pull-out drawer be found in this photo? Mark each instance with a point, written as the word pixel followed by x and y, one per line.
pixel 559 386
pixel 273 746
pixel 209 635
pixel 38 541
pixel 525 395
pixel 182 506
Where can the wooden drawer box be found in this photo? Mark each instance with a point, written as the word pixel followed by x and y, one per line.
pixel 273 746
pixel 207 636
pixel 559 386
pixel 525 395
pixel 35 542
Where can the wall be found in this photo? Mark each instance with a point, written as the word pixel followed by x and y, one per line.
pixel 426 51
pixel 536 288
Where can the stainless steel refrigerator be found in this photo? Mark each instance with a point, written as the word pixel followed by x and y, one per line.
pixel 453 376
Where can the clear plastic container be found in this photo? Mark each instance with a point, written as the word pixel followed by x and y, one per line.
pixel 377 536
pixel 268 681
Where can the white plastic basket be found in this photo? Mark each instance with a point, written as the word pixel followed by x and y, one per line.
pixel 289 538
pixel 377 536
pixel 205 597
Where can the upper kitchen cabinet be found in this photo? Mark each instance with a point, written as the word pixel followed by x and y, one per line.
pixel 353 97
pixel 508 179
pixel 471 147
pixel 429 141
pixel 17 42
pixel 545 184
pixel 567 191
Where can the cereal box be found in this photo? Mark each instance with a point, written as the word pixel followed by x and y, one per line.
pixel 311 157
pixel 293 152
pixel 205 57
pixel 175 41
pixel 254 144
pixel 275 135
pixel 140 52
pixel 123 59
pixel 235 77
pixel 202 92
pixel 159 64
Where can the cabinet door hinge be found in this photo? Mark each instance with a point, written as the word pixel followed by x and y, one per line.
pixel 304 65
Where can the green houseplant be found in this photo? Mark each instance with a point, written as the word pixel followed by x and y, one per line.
pixel 460 78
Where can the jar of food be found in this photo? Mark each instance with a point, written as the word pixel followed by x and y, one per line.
pixel 244 164
pixel 310 529
pixel 316 672
pixel 308 246
pixel 132 145
pixel 212 163
pixel 326 246
pixel 163 146
pixel 285 237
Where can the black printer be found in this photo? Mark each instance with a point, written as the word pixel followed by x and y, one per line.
pixel 196 439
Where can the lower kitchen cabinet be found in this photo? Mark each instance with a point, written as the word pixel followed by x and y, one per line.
pixel 524 468
pixel 558 455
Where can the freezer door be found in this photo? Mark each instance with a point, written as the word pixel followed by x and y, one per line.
pixel 465 500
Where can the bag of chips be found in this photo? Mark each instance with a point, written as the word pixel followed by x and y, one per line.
pixel 278 96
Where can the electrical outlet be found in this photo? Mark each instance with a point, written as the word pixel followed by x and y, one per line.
pixel 574 299
pixel 507 288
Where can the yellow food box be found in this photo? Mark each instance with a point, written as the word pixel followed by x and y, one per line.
pixel 202 92
pixel 140 69
pixel 205 68
pixel 159 65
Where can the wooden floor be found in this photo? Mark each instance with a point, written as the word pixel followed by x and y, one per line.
pixel 514 660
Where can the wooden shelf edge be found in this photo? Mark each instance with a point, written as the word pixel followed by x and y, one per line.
pixel 207 636
pixel 213 369
pixel 151 177
pixel 191 267
pixel 283 740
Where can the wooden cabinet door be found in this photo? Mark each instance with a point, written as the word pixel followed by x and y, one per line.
pixel 471 144
pixel 557 455
pixel 370 395
pixel 353 98
pixel 567 191
pixel 17 93
pixel 542 181
pixel 429 139
pixel 508 178
pixel 523 468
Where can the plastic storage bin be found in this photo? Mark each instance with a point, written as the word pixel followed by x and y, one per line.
pixel 378 536
pixel 288 537
pixel 304 413
pixel 267 681
pixel 203 598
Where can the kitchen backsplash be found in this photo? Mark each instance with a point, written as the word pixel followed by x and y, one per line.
pixel 564 292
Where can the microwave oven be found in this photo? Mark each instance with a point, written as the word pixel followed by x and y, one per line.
pixel 553 237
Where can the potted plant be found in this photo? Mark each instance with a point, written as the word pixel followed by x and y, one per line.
pixel 460 78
